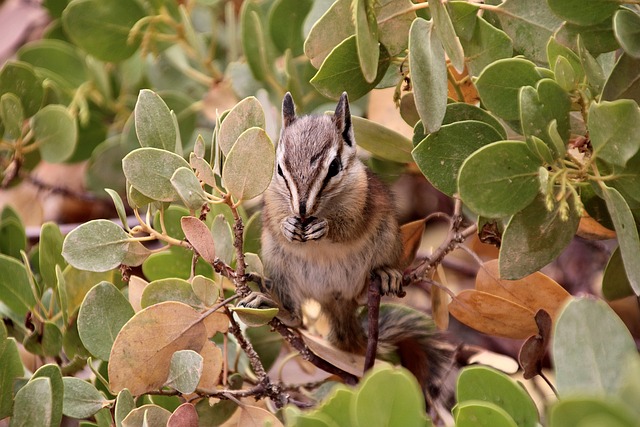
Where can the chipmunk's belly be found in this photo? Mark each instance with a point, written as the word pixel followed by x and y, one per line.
pixel 330 271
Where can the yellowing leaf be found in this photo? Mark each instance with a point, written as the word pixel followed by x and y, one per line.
pixel 348 362
pixel 493 315
pixel 136 287
pixel 141 354
pixel 411 238
pixel 534 292
pixel 252 416
pixel 216 322
pixel 212 366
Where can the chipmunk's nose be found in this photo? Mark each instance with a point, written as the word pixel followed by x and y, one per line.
pixel 302 209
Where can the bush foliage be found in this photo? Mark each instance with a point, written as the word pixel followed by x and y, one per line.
pixel 526 112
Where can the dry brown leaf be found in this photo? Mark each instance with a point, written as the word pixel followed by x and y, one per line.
pixel 590 229
pixel 493 315
pixel 136 287
pixel 185 415
pixel 466 86
pixel 440 301
pixel 211 366
pixel 199 235
pixel 252 416
pixel 411 238
pixel 532 351
pixel 216 322
pixel 348 362
pixel 535 291
pixel 141 354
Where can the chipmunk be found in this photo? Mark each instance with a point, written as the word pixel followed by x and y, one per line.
pixel 329 224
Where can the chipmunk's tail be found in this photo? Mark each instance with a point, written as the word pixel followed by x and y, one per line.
pixel 410 337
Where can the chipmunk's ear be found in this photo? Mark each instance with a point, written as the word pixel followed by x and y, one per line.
pixel 342 119
pixel 288 110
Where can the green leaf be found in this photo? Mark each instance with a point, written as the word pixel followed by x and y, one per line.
pixel 11 116
pixel 481 414
pixel 124 405
pixel 530 24
pixel 447 35
pixel 33 404
pixel 245 114
pixel 499 179
pixel 499 85
pixel 286 18
pixel 481 383
pixel 172 221
pixel 255 316
pixel 176 262
pixel 583 13
pixel 381 141
pixel 77 283
pixel 592 69
pixel 81 398
pixel 534 237
pixel 598 38
pixel 464 18
pixel 10 369
pixel 341 72
pixel 441 154
pixel 149 170
pixel 147 416
pixel 614 128
pixel 255 41
pixel 54 374
pixel 248 168
pixel 185 371
pixel 103 313
pixel 627 234
pixel 51 340
pixel 394 21
pixel 590 344
pixel 539 108
pixel 459 111
pixel 329 31
pixel 56 132
pixel 556 50
pixel 252 233
pixel 20 79
pixel 624 80
pixel 371 407
pixel 428 73
pixel 50 253
pixel 487 45
pixel 586 411
pixel 626 27
pixel 15 290
pixel 13 238
pixel 170 289
pixel 222 236
pixel 56 60
pixel 154 125
pixel 266 344
pixel 205 289
pixel 615 284
pixel 102 27
pixel 188 187
pixel 98 245
pixel 364 17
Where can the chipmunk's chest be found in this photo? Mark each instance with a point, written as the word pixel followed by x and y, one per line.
pixel 327 271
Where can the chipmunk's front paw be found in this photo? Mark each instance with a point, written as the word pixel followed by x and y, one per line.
pixel 257 300
pixel 292 229
pixel 390 281
pixel 315 228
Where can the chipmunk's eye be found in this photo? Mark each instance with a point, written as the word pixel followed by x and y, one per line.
pixel 334 168
pixel 280 171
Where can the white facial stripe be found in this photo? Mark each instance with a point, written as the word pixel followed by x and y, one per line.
pixel 290 183
pixel 317 185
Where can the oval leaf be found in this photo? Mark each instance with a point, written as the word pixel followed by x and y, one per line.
pixel 139 359
pixel 98 245
pixel 103 313
pixel 499 179
pixel 33 404
pixel 199 236
pixel 249 166
pixel 81 399
pixel 154 125
pixel 185 371
pixel 428 73
pixel 246 114
pixel 188 187
pixel 149 170
pixel 169 289
pixel 255 316
pixel 56 133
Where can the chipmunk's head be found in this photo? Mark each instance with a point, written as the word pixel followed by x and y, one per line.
pixel 316 158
